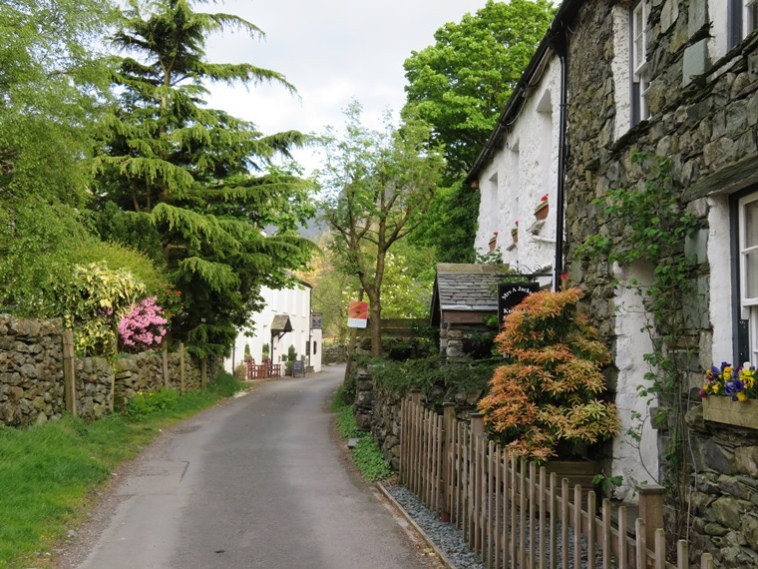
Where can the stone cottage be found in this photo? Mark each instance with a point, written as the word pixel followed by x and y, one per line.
pixel 676 79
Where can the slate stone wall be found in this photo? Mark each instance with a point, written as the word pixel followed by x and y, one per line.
pixel 378 410
pixel 31 371
pixel 32 388
pixel 702 116
pixel 144 373
pixel 725 492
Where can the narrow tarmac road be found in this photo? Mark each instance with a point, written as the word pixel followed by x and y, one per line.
pixel 258 482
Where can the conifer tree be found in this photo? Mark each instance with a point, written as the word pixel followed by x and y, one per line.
pixel 203 179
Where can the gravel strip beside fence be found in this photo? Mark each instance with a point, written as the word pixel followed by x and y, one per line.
pixel 449 538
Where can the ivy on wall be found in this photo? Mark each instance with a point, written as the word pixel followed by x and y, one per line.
pixel 649 223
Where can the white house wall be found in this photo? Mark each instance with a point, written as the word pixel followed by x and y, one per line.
pixel 519 174
pixel 295 303
pixel 636 461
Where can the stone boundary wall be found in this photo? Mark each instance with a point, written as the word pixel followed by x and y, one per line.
pixel 32 386
pixel 144 372
pixel 31 371
pixel 334 355
pixel 378 410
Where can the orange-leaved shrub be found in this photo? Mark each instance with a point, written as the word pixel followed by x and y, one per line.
pixel 546 400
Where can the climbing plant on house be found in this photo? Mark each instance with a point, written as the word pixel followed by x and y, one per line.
pixel 652 224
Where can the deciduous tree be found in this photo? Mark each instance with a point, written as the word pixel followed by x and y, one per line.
pixel 378 185
pixel 459 85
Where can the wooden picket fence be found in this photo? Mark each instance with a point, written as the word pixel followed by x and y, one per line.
pixel 515 515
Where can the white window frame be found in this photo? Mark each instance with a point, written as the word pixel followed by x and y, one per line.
pixel 749 305
pixel 749 17
pixel 640 71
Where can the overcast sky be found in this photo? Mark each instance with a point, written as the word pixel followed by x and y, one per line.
pixel 332 51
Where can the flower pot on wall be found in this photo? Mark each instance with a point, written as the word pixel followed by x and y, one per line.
pixel 514 235
pixel 542 210
pixel 724 410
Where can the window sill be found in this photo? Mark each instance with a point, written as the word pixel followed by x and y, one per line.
pixel 725 411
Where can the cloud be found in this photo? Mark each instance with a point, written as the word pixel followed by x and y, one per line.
pixel 332 51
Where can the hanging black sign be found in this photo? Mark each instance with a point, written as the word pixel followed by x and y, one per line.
pixel 511 295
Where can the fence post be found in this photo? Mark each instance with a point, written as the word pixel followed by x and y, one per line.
pixel 181 367
pixel 477 444
pixel 448 426
pixel 166 382
pixel 416 396
pixel 69 372
pixel 651 509
pixel 477 423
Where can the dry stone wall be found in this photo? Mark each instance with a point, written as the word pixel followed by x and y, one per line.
pixel 377 410
pixel 32 386
pixel 94 387
pixel 31 371
pixel 144 372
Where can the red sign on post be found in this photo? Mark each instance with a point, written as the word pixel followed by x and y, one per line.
pixel 357 314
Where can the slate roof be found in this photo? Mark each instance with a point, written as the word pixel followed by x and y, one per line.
pixel 465 288
pixel 281 323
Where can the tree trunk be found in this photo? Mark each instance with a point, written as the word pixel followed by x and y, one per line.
pixel 375 324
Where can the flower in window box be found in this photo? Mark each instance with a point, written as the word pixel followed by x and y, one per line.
pixel 725 381
pixel 542 209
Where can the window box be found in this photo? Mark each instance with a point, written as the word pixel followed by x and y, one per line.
pixel 738 413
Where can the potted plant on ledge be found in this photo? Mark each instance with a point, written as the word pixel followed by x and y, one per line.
pixel 542 209
pixel 514 232
pixel 546 402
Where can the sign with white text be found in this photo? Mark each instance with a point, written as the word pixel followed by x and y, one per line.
pixel 511 295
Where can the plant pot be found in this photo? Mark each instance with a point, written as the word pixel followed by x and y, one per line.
pixel 738 413
pixel 542 211
pixel 493 243
pixel 514 236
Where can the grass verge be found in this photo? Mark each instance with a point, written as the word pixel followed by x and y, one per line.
pixel 367 456
pixel 48 473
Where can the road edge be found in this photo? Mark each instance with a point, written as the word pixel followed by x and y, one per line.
pixel 395 504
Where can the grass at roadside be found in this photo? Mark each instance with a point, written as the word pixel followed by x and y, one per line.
pixel 366 455
pixel 48 472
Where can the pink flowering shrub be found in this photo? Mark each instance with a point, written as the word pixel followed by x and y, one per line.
pixel 142 326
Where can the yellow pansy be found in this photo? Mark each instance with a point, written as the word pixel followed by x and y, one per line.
pixel 741 396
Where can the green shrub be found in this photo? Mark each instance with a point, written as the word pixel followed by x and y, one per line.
pixel 145 404
pixel 367 456
pixel 369 459
pixel 346 424
pixel 225 385
pixel 465 375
